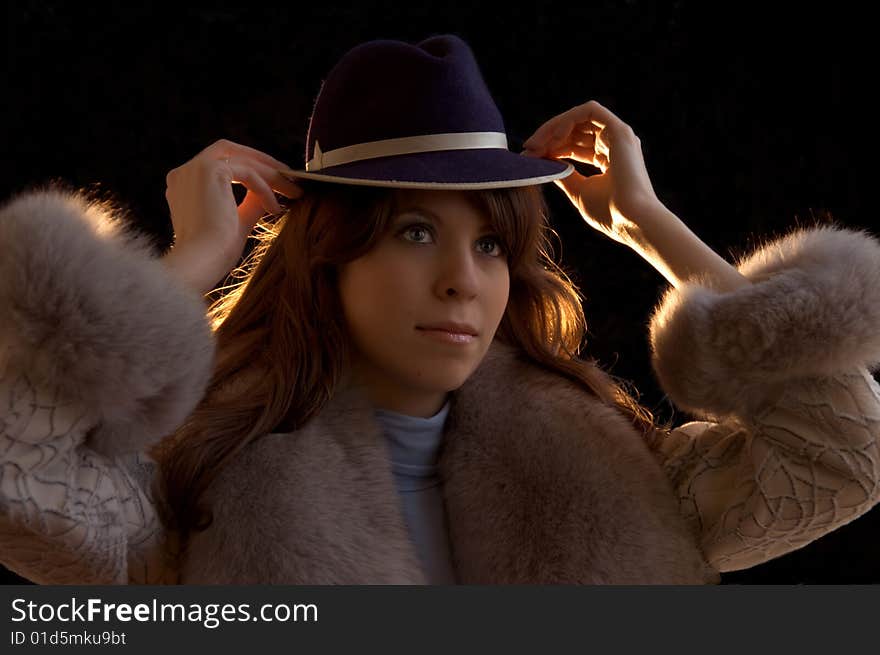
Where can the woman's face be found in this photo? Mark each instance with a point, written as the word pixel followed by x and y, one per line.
pixel 423 305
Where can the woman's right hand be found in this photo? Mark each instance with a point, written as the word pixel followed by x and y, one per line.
pixel 210 230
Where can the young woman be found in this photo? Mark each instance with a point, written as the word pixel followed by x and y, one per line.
pixel 394 393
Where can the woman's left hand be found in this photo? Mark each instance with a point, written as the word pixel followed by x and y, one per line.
pixel 621 202
pixel 613 201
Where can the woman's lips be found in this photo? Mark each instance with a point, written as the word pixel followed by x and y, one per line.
pixel 445 336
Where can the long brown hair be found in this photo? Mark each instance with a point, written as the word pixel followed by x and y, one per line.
pixel 282 343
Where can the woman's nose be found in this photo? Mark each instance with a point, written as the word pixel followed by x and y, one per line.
pixel 458 275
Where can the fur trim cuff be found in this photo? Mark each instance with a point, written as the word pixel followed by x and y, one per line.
pixel 89 311
pixel 813 310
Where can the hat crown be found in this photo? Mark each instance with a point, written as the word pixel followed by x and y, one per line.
pixel 387 89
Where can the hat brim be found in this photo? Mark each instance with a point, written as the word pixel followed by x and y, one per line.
pixel 491 168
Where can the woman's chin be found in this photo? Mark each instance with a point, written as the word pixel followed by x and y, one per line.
pixel 444 381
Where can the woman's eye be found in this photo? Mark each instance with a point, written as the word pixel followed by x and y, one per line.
pixel 417 233
pixel 490 246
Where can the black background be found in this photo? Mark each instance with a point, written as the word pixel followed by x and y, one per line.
pixel 753 120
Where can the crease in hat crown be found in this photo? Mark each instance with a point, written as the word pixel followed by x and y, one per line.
pixel 392 113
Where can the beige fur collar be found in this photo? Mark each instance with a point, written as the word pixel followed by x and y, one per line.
pixel 543 483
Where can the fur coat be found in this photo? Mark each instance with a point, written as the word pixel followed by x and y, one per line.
pixel 102 353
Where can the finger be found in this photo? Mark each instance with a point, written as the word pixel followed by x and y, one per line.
pixel 560 138
pixel 533 151
pixel 590 116
pixel 545 132
pixel 569 184
pixel 261 156
pixel 587 128
pixel 224 148
pixel 579 143
pixel 251 179
pixel 581 154
pixel 284 186
pixel 551 136
pixel 594 113
pixel 553 131
pixel 273 178
pixel 584 140
pixel 601 144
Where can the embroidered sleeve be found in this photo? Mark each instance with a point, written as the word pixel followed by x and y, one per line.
pixel 69 515
pixel 806 464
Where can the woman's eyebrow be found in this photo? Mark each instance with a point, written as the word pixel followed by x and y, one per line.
pixel 484 223
pixel 419 209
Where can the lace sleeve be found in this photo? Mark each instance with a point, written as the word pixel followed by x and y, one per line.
pixel 806 465
pixel 69 515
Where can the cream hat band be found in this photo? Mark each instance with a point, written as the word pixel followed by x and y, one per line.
pixel 405 146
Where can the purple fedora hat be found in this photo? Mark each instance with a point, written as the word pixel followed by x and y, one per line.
pixel 392 114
